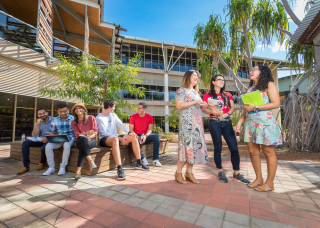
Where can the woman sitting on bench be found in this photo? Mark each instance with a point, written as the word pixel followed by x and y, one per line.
pixel 85 129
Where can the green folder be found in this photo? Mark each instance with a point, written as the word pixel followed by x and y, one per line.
pixel 254 98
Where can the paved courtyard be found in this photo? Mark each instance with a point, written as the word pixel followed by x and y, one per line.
pixel 154 199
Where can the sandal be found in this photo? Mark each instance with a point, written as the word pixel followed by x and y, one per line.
pixel 263 190
pixel 78 176
pixel 255 185
pixel 179 178
pixel 190 177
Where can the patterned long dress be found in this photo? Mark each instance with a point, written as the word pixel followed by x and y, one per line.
pixel 192 145
pixel 262 127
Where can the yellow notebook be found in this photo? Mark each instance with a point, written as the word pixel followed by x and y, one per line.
pixel 254 98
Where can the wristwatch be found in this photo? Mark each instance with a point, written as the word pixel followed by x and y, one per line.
pixel 228 114
pixel 256 108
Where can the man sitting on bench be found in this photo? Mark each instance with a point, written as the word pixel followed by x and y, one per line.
pixel 107 122
pixel 141 123
pixel 42 126
pixel 61 125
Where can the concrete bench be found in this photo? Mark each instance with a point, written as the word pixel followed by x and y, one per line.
pixel 102 156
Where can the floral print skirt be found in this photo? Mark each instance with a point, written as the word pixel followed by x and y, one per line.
pixel 262 128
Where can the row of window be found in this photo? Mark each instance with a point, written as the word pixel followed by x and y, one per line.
pixel 152 57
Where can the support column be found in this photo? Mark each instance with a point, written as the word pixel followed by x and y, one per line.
pixel 14 116
pixel 166 99
pixel 35 111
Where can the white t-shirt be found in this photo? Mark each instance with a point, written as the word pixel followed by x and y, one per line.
pixel 107 125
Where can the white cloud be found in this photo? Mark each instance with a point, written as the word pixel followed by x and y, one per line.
pixel 275 47
pixel 299 9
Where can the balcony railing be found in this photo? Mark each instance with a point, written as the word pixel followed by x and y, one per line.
pixel 149 95
pixel 23 34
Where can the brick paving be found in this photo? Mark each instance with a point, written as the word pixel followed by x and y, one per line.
pixel 154 199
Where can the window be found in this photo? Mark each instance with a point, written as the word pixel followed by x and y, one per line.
pixel 183 62
pixel 155 58
pixel 133 50
pixel 194 60
pixel 140 50
pixel 147 57
pixel 6 117
pixel 188 61
pixel 24 116
pixel 44 103
pixel 175 57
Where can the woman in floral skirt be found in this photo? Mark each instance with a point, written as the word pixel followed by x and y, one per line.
pixel 261 128
pixel 192 146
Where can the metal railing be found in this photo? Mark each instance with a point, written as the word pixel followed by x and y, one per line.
pixel 149 95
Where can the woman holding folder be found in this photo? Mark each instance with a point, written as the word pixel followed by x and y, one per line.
pixel 261 128
pixel 220 125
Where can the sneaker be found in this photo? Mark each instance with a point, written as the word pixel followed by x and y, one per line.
pixel 156 163
pixel 62 171
pixel 142 166
pixel 121 175
pixel 239 177
pixel 48 172
pixel 222 177
pixel 144 161
pixel 23 170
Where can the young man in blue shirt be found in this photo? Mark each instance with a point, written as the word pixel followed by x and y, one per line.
pixel 41 127
pixel 61 125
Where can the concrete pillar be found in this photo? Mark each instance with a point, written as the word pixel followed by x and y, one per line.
pixel 166 99
pixel 275 78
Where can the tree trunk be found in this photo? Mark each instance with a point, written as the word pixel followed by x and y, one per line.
pixel 246 40
pixel 317 57
pixel 290 12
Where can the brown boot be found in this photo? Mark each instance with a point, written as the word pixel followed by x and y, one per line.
pixel 23 170
pixel 40 166
pixel 191 178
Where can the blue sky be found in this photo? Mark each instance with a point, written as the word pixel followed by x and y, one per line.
pixel 173 21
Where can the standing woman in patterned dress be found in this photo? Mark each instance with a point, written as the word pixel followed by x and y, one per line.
pixel 261 129
pixel 192 146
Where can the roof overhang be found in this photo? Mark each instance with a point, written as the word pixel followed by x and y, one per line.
pixel 308 32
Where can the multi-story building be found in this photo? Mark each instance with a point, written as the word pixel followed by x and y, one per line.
pixel 23 64
pixel 154 72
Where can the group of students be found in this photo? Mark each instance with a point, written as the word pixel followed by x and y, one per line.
pixel 260 127
pixel 260 130
pixel 83 129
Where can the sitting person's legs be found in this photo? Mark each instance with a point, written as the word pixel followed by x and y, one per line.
pixel 113 142
pixel 43 157
pixel 84 147
pixel 25 154
pixel 50 157
pixel 136 150
pixel 156 146
pixel 65 156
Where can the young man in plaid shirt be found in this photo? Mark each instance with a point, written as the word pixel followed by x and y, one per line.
pixel 61 125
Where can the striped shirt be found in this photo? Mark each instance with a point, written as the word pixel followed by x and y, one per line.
pixel 62 127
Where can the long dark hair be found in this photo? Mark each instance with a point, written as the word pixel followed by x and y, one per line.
pixel 264 79
pixel 224 95
pixel 76 118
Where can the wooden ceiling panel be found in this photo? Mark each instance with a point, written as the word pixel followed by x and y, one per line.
pixel 26 10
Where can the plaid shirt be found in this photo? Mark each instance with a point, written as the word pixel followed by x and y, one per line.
pixel 62 127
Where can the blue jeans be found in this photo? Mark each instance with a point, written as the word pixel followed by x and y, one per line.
pixel 156 145
pixel 224 128
pixel 26 151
